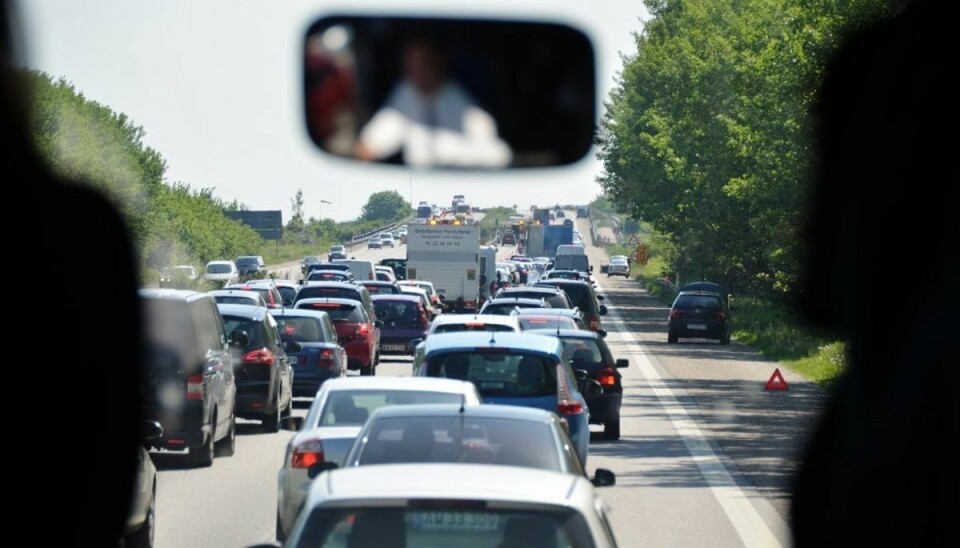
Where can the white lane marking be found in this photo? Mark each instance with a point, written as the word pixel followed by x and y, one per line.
pixel 751 528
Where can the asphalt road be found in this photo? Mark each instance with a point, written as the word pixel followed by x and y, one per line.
pixel 704 459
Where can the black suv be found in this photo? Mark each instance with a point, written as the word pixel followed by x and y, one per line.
pixel 188 379
pixel 249 265
pixel 263 370
pixel 699 314
pixel 583 297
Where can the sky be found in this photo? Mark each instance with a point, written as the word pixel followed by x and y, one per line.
pixel 216 86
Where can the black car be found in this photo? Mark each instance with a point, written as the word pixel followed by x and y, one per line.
pixel 311 342
pixel 582 295
pixel 378 287
pixel 590 358
pixel 699 314
pixel 250 265
pixel 188 352
pixel 583 213
pixel 710 287
pixel 263 371
pixel 336 252
pixel 399 267
pixel 553 295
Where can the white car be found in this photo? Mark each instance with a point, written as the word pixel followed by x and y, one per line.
pixel 424 285
pixel 432 311
pixel 465 505
pixel 386 239
pixel 618 267
pixel 238 296
pixel 451 323
pixel 221 272
pixel 337 414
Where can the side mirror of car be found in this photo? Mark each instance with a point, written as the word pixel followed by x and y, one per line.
pixel 291 423
pixel 320 468
pixel 603 310
pixel 603 478
pixel 590 387
pixel 150 431
pixel 602 333
pixel 601 297
pixel 239 338
pixel 413 344
pixel 580 375
pixel 292 346
pixel 591 268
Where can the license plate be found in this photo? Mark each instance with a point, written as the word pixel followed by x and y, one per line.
pixel 393 347
pixel 697 326
pixel 456 521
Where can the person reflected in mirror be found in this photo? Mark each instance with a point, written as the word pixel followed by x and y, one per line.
pixel 431 119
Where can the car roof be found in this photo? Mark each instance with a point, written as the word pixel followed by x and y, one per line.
pixel 298 313
pixel 568 312
pixel 341 285
pixel 396 297
pixel 430 384
pixel 287 283
pixel 469 340
pixel 219 262
pixel 514 300
pixel 565 333
pixel 256 313
pixel 700 294
pixel 564 281
pixel 464 318
pixel 508 484
pixel 334 300
pixel 234 291
pixel 529 289
pixel 515 412
pixel 379 283
pixel 186 295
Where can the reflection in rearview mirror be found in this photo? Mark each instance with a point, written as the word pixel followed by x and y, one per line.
pixel 447 93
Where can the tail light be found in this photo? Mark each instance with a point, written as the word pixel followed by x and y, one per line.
pixel 362 331
pixel 606 377
pixel 566 403
pixel 195 388
pixel 719 316
pixel 675 314
pixel 307 453
pixel 261 356
pixel 326 356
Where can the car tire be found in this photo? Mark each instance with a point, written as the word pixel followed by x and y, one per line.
pixel 143 537
pixel 611 430
pixel 202 456
pixel 228 445
pixel 279 534
pixel 271 424
pixel 672 338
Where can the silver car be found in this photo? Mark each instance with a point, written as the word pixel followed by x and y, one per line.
pixel 618 267
pixel 339 411
pixel 452 505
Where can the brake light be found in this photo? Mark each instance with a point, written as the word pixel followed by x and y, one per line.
pixel 362 330
pixel 261 356
pixel 475 324
pixel 719 316
pixel 566 403
pixel 325 305
pixel 675 314
pixel 307 454
pixel 195 388
pixel 326 356
pixel 606 377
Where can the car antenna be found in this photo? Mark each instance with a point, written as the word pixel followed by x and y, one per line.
pixel 463 404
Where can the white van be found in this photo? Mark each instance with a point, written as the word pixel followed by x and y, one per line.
pixel 362 270
pixel 570 249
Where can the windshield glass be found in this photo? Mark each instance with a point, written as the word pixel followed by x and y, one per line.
pixel 219 269
pixel 471 326
pixel 352 407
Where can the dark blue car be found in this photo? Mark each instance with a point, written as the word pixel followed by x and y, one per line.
pixel 404 320
pixel 310 340
pixel 512 369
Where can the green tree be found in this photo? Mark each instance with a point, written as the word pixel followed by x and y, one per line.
pixel 387 205
pixel 296 223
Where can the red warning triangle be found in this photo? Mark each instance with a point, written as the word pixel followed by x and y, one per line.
pixel 776 381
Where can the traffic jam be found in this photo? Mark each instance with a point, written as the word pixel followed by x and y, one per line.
pixel 509 370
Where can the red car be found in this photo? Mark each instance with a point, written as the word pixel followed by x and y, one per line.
pixel 358 334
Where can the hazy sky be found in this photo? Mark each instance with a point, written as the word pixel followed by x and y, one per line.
pixel 216 87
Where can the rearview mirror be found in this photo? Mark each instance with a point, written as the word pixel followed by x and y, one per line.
pixel 603 310
pixel 604 478
pixel 150 431
pixel 505 94
pixel 602 333
pixel 321 467
pixel 291 424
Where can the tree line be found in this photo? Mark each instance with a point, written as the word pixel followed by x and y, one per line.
pixel 708 134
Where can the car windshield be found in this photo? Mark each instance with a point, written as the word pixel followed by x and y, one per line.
pixel 247 261
pixel 328 292
pixel 219 269
pixel 481 440
pixel 352 407
pixel 236 299
pixel 547 322
pixel 287 293
pixel 444 525
pixel 697 301
pixel 501 373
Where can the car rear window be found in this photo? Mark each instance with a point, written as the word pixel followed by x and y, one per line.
pixel 219 269
pixel 288 293
pixel 252 261
pixel 254 329
pixel 381 289
pixel 235 299
pixel 352 407
pixel 697 301
pixel 556 322
pixel 327 276
pixel 397 313
pixel 580 295
pixel 444 526
pixel 499 373
pixel 328 292
pixel 339 312
pixel 482 440
pixel 300 329
pixel 582 351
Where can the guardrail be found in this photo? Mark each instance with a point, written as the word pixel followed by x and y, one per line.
pixel 360 238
